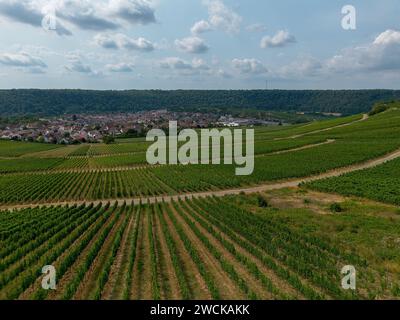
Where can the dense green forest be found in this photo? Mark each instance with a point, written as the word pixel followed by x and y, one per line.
pixel 55 102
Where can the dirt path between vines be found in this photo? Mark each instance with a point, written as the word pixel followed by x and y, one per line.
pixel 364 117
pixel 293 183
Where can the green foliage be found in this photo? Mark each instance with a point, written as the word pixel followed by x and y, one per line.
pixel 193 252
pixel 153 258
pixel 108 139
pixel 379 108
pixel 225 264
pixel 28 164
pixel 262 202
pixel 106 268
pixel 354 142
pixel 200 218
pixel 57 241
pixel 336 207
pixel 17 149
pixel 56 102
pixel 83 243
pixel 310 257
pixel 88 261
pixel 80 151
pixel 381 183
pixel 132 255
pixel 176 259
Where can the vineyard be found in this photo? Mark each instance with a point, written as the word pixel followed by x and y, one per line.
pixel 193 249
pixel 102 172
pixel 17 149
pixel 115 227
pixel 381 183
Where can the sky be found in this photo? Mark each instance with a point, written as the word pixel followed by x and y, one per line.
pixel 200 44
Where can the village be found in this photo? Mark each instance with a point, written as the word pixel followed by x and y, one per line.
pixel 96 128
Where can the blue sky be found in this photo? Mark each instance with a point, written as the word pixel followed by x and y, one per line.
pixel 198 44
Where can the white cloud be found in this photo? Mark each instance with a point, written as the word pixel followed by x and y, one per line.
pixel 84 14
pixel 380 55
pixel 200 64
pixel 29 12
pixel 77 65
pixel 175 63
pixel 120 67
pixel 302 67
pixel 183 67
pixel 223 74
pixel 257 27
pixel 201 26
pixel 107 41
pixel 108 15
pixel 249 66
pixel 280 39
pixel 132 11
pixel 121 41
pixel 192 45
pixel 23 60
pixel 140 44
pixel 35 70
pixel 222 17
pixel 387 38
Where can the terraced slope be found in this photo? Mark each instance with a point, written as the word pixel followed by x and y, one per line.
pixel 111 177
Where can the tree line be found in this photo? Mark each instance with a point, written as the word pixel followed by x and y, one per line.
pixel 25 102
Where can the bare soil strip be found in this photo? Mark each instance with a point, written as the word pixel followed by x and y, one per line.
pixel 115 283
pixel 162 277
pixel 281 283
pixel 167 267
pixel 136 282
pixel 89 282
pixel 309 146
pixel 71 272
pixel 196 283
pixel 365 117
pixel 227 288
pixel 28 293
pixel 251 281
pixel 141 285
pixel 276 280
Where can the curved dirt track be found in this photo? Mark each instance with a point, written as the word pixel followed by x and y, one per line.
pixel 220 193
pixel 364 118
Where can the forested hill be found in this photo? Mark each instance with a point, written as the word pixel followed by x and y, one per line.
pixel 55 102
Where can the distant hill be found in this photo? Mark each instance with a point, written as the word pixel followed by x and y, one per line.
pixel 56 102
